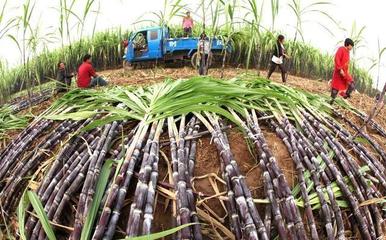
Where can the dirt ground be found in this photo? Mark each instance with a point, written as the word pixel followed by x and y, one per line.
pixel 150 76
pixel 207 173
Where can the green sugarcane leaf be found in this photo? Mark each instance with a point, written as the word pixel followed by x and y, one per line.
pixel 77 116
pixel 38 207
pixel 21 210
pixel 100 189
pixel 361 140
pixel 161 234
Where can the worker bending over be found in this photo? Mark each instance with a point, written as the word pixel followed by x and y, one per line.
pixel 87 77
pixel 342 81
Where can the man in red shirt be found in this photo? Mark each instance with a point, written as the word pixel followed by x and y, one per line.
pixel 342 81
pixel 87 78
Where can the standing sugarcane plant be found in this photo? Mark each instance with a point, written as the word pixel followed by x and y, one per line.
pixel 24 24
pixel 301 12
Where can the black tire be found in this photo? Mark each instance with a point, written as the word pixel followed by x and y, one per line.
pixel 127 65
pixel 195 60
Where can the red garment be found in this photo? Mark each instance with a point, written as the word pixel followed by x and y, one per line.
pixel 342 61
pixel 85 72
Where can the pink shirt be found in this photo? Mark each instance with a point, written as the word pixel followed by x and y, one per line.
pixel 187 22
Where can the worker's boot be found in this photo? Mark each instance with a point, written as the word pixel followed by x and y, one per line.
pixel 350 89
pixel 334 93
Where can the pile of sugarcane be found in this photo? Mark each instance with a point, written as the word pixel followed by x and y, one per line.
pixel 62 154
pixel 42 96
pixel 10 122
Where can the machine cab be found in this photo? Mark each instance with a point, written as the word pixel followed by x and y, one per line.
pixel 145 44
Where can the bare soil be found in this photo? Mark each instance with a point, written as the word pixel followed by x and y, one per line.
pixel 208 163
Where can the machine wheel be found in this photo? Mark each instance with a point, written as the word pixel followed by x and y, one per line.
pixel 127 65
pixel 196 58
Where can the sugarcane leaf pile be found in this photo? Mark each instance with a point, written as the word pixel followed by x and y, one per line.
pixel 10 121
pixel 97 156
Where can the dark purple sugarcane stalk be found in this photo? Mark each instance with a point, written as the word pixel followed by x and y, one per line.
pixel 186 206
pixel 268 209
pixel 60 189
pixel 361 220
pixel 121 192
pixel 17 140
pixel 49 194
pixel 252 224
pixel 375 126
pixel 352 170
pixel 81 207
pixel 190 154
pixel 274 200
pixel 64 155
pixel 101 157
pixel 292 145
pixel 375 145
pixel 59 163
pixel 117 192
pixel 344 135
pixel 181 171
pixel 89 186
pixel 22 170
pixel 175 174
pixel 378 105
pixel 292 212
pixel 13 155
pixel 152 185
pixel 136 208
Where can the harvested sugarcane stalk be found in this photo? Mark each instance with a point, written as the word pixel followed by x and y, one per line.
pixel 362 222
pixel 136 216
pixel 375 145
pixel 294 222
pixel 88 189
pixel 290 140
pixel 106 225
pixel 250 220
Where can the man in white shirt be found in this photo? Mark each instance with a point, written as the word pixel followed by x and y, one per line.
pixel 204 50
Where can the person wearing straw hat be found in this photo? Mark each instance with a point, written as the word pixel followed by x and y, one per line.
pixel 342 82
pixel 187 25
pixel 278 59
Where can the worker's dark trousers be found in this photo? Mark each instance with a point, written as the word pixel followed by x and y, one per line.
pixel 334 92
pixel 203 63
pixel 272 68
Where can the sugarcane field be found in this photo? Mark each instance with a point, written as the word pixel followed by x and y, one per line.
pixel 202 119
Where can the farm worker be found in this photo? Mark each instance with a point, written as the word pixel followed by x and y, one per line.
pixel 63 78
pixel 187 25
pixel 86 75
pixel 204 50
pixel 278 58
pixel 125 44
pixel 342 81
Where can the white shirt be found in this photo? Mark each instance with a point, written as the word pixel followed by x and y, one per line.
pixel 204 46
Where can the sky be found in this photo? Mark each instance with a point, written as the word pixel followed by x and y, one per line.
pixel 126 14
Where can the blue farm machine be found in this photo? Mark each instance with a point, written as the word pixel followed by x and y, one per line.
pixel 154 44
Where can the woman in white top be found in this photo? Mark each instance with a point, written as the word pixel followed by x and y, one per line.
pixel 277 59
